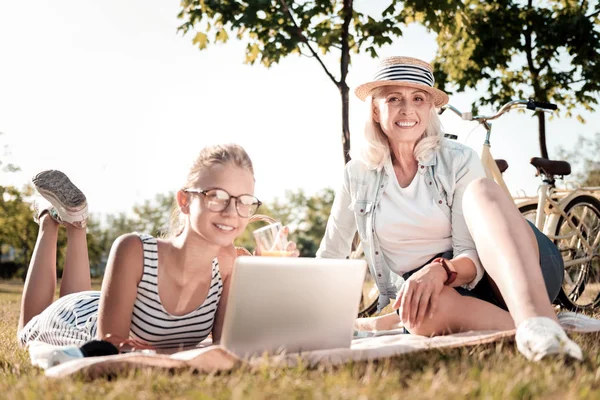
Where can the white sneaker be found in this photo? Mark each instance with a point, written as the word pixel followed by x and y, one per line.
pixel 578 322
pixel 68 201
pixel 539 337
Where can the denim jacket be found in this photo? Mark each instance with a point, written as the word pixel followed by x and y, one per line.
pixel 448 171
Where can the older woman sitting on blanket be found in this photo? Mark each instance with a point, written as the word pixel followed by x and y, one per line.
pixel 442 240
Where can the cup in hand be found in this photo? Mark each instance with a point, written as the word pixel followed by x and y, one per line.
pixel 271 241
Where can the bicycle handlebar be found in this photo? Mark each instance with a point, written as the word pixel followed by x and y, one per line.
pixel 533 105
pixel 529 104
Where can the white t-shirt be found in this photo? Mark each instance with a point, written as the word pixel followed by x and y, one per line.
pixel 410 226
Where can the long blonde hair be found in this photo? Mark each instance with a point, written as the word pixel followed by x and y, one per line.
pixel 376 150
pixel 210 156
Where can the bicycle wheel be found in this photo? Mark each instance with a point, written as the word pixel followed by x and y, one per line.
pixel 581 284
pixel 370 296
pixel 370 293
pixel 529 211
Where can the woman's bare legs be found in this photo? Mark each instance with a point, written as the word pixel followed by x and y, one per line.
pixel 62 203
pixel 76 273
pixel 40 283
pixel 508 249
pixel 450 317
pixel 500 232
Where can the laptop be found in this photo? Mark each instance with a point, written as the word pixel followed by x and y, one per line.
pixel 286 304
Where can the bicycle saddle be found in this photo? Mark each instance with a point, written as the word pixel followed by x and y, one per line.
pixel 502 164
pixel 550 167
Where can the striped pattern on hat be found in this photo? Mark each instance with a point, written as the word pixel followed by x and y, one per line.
pixel 404 71
pixel 409 73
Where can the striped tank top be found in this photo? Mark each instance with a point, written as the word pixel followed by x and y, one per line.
pixel 151 323
pixel 72 319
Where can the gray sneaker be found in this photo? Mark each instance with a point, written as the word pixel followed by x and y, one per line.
pixel 68 201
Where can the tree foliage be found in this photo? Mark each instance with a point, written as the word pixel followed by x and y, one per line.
pixel 7 166
pixel 17 228
pixel 275 29
pixel 584 158
pixel 549 51
pixel 18 231
pixel 305 215
pixel 151 217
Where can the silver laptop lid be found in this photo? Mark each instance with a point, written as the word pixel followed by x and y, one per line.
pixel 291 304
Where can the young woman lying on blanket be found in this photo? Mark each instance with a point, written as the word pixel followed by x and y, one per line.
pixel 447 244
pixel 166 294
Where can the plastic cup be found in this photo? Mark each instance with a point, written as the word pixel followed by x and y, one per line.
pixel 271 241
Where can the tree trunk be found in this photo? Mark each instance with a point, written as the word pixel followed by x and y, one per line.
pixel 348 13
pixel 542 134
pixel 344 91
pixel 539 92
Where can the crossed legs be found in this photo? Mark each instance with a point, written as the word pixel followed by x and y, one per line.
pixel 509 252
pixel 40 283
pixel 508 249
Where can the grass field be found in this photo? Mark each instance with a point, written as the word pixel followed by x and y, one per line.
pixel 494 371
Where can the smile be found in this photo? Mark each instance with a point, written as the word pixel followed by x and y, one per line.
pixel 225 228
pixel 406 124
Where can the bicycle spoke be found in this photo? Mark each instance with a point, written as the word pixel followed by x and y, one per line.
pixel 577 239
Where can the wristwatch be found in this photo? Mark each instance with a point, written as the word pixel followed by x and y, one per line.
pixel 449 267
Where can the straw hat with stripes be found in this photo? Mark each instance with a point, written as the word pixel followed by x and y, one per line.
pixel 404 71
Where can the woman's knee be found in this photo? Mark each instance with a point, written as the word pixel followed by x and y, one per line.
pixel 482 189
pixel 441 320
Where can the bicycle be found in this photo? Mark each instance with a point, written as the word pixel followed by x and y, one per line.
pixel 571 218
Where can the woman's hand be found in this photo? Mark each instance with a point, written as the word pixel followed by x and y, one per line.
pixel 419 296
pixel 133 345
pixel 126 345
pixel 292 249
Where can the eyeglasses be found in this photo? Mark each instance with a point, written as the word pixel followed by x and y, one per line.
pixel 218 200
pixel 417 100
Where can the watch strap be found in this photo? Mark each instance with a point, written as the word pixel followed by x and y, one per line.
pixel 449 268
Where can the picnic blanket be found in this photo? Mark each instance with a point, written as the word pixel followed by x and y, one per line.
pixel 212 358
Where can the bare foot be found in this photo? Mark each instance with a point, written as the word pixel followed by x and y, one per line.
pixel 381 323
pixel 47 221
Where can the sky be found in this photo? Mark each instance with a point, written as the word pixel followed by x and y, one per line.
pixel 110 93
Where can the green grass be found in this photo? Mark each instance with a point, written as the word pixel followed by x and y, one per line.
pixel 493 371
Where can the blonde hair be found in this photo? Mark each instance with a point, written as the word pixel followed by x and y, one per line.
pixel 376 150
pixel 210 156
